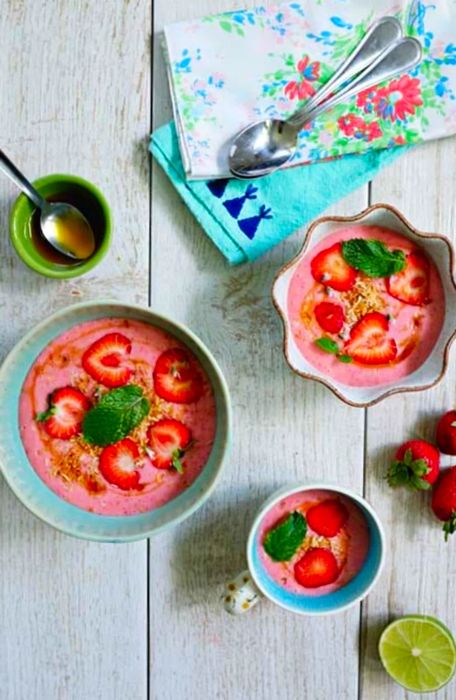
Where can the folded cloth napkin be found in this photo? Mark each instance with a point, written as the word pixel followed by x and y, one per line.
pixel 244 219
pixel 230 69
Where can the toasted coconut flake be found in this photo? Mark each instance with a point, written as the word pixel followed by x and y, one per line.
pixel 363 298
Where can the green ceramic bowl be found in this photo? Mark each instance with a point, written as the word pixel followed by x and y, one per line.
pixel 92 204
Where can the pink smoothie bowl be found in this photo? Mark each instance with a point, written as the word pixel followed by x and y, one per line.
pixel 439 250
pixel 34 493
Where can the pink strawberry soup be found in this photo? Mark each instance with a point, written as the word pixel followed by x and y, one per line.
pixel 362 330
pixel 349 546
pixel 121 481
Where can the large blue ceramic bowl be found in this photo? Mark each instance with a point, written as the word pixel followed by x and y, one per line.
pixel 344 597
pixel 34 493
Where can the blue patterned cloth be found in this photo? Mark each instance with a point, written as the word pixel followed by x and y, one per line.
pixel 245 219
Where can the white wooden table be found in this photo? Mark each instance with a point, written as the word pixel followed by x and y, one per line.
pixel 83 83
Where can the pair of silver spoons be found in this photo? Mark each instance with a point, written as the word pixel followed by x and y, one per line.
pixel 267 145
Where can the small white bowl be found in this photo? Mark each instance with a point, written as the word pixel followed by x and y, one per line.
pixel 437 247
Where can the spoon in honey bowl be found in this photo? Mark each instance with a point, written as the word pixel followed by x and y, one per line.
pixel 63 226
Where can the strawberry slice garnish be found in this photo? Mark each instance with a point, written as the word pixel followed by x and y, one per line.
pixel 106 360
pixel 330 268
pixel 411 285
pixel 64 415
pixel 318 567
pixel 369 342
pixel 177 378
pixel 169 439
pixel 329 316
pixel 118 464
pixel 327 518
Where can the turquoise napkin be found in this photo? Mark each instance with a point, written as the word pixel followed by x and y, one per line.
pixel 246 218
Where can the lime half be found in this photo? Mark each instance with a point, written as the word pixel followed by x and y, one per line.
pixel 418 652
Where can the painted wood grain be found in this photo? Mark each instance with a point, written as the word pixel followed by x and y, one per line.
pixel 285 430
pixel 75 98
pixel 421 567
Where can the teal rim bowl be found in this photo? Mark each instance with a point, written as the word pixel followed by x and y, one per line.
pixel 97 209
pixel 39 498
pixel 344 597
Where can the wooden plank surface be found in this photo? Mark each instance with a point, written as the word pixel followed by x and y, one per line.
pixel 421 566
pixel 285 430
pixel 75 622
pixel 75 98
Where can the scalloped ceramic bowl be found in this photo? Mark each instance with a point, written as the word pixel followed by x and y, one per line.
pixel 33 492
pixel 437 247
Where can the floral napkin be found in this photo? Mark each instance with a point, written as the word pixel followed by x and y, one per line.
pixel 230 69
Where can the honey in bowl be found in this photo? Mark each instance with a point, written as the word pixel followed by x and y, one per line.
pixel 70 230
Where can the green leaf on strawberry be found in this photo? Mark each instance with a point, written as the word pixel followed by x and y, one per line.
pixel 373 257
pixel 409 472
pixel 176 460
pixel 282 541
pixel 117 413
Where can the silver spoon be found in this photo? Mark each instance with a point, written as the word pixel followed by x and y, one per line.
pixel 265 146
pixel 63 226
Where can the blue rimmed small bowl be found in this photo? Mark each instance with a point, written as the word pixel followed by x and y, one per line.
pixel 33 492
pixel 247 588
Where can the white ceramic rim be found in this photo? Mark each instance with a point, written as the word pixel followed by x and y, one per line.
pixel 286 491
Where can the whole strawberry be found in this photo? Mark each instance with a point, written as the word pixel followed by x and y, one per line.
pixel 446 433
pixel 444 500
pixel 417 465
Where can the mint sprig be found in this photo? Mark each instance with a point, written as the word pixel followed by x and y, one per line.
pixel 329 345
pixel 283 540
pixel 372 257
pixel 116 414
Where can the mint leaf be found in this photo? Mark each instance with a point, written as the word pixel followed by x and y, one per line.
pixel 176 460
pixel 327 345
pixel 117 413
pixel 283 540
pixel 372 257
pixel 345 358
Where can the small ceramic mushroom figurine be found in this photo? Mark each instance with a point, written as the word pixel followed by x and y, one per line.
pixel 312 549
pixel 241 594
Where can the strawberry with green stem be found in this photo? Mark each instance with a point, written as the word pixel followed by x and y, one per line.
pixel 444 500
pixel 416 465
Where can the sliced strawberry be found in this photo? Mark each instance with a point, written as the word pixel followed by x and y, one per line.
pixel 329 316
pixel 106 360
pixel 369 342
pixel 64 415
pixel 411 285
pixel 330 268
pixel 318 567
pixel 118 464
pixel 169 439
pixel 177 378
pixel 327 517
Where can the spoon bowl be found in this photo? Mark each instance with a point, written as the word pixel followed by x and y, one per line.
pixel 67 230
pixel 261 147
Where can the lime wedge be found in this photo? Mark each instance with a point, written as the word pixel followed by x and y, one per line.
pixel 418 652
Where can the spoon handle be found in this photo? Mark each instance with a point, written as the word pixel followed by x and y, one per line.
pixel 399 58
pixel 18 178
pixel 383 33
